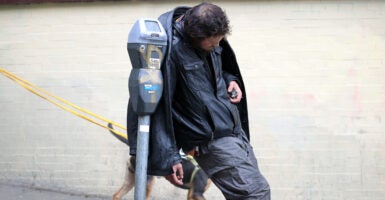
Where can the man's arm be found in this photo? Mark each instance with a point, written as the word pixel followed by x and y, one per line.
pixel 177 176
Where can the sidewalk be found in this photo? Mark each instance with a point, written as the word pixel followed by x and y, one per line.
pixel 10 192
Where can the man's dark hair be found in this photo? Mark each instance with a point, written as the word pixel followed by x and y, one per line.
pixel 206 20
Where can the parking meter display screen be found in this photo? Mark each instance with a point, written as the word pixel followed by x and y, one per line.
pixel 152 26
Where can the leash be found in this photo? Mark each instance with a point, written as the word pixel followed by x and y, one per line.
pixel 196 167
pixel 68 106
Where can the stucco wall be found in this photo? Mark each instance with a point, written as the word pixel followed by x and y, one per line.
pixel 314 72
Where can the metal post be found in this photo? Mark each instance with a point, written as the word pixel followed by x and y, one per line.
pixel 142 157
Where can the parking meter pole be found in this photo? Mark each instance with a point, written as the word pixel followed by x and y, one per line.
pixel 141 157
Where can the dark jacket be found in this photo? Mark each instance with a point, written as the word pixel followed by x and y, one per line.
pixel 164 148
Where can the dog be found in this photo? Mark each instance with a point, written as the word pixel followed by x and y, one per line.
pixel 195 180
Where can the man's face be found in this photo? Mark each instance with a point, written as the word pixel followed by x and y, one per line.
pixel 208 44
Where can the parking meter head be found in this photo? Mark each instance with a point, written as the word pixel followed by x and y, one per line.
pixel 147 42
pixel 146 46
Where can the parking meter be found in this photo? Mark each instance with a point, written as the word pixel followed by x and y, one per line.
pixel 146 46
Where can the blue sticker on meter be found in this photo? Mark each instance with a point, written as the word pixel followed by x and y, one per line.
pixel 150 87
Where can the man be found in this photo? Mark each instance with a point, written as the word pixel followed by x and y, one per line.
pixel 203 107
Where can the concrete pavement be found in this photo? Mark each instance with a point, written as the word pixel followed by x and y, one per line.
pixel 12 192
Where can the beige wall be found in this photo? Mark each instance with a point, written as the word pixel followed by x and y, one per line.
pixel 314 72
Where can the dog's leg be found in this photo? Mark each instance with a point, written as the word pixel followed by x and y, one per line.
pixel 199 185
pixel 192 196
pixel 128 184
pixel 149 186
pixel 208 184
pixel 190 193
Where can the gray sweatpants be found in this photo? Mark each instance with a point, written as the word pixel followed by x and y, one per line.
pixel 231 164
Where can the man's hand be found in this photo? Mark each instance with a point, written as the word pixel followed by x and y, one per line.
pixel 234 86
pixel 177 176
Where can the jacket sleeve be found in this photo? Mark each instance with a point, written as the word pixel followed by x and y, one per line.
pixel 229 77
pixel 230 65
pixel 171 88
